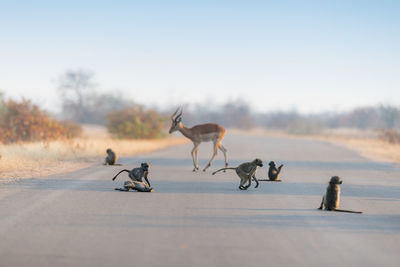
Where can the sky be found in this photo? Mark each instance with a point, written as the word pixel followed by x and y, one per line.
pixel 309 56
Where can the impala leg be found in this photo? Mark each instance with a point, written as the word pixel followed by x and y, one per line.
pixel 223 149
pixel 213 156
pixel 194 156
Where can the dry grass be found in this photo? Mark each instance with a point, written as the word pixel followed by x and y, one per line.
pixel 41 159
pixel 366 143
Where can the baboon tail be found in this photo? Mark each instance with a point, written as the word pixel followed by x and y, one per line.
pixel 223 169
pixel 350 211
pixel 119 173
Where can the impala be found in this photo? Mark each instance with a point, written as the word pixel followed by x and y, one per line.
pixel 200 133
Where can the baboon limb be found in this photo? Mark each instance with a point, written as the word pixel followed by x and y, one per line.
pixel 122 189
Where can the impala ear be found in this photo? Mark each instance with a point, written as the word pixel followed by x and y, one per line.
pixel 178 120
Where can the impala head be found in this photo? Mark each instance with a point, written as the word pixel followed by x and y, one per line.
pixel 175 120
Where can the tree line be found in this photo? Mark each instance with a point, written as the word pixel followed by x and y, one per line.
pixel 81 103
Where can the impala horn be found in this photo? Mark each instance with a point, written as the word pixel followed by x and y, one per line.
pixel 172 117
pixel 177 116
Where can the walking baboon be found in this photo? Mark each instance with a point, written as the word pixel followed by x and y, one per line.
pixel 273 173
pixel 111 158
pixel 331 199
pixel 136 182
pixel 246 171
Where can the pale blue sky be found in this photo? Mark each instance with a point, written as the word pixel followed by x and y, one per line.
pixel 309 55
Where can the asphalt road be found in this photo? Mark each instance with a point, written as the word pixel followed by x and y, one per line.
pixel 196 219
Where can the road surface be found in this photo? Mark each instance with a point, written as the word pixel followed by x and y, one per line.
pixel 196 219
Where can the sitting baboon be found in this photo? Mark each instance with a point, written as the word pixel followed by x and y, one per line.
pixel 331 199
pixel 111 158
pixel 273 173
pixel 136 182
pixel 246 171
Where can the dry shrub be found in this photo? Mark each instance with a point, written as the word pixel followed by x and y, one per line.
pixel 390 135
pixel 71 129
pixel 26 122
pixel 135 122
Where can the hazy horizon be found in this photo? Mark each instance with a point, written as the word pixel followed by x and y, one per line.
pixel 309 56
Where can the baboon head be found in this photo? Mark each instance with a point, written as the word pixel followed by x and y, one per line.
pixel 145 166
pixel 108 150
pixel 258 162
pixel 271 164
pixel 335 180
pixel 175 121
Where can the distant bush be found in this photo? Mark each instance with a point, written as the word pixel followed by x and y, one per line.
pixel 390 135
pixel 135 122
pixel 26 122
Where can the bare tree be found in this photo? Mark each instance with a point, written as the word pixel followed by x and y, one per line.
pixel 73 86
pixel 97 106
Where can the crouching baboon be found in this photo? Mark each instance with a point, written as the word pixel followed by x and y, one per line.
pixel 136 182
pixel 331 199
pixel 273 173
pixel 111 158
pixel 246 171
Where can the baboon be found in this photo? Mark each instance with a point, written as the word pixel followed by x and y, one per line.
pixel 331 199
pixel 136 182
pixel 273 173
pixel 111 158
pixel 246 171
